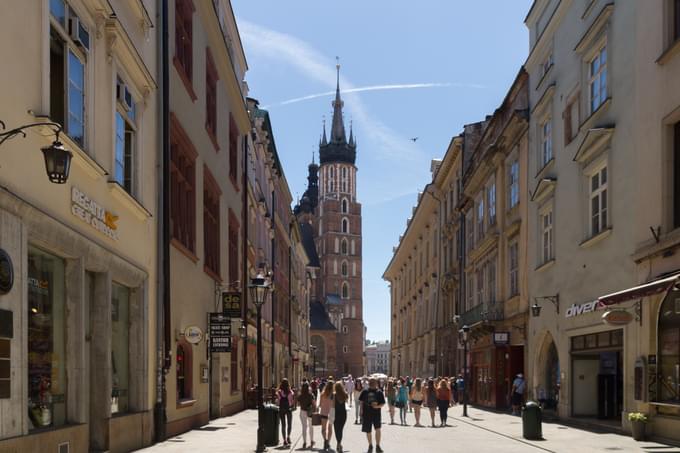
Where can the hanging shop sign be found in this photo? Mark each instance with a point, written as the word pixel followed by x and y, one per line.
pixel 231 304
pixel 577 310
pixel 94 214
pixel 617 317
pixel 193 334
pixel 6 272
pixel 220 332
pixel 501 338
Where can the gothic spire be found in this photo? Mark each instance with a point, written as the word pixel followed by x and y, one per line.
pixel 323 141
pixel 338 126
pixel 351 134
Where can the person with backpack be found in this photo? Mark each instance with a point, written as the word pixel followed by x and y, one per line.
pixel 307 404
pixel 402 401
pixel 517 393
pixel 286 401
pixel 443 400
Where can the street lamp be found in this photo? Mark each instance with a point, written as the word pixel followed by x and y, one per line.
pixel 465 333
pixel 57 158
pixel 535 310
pixel 313 349
pixel 259 288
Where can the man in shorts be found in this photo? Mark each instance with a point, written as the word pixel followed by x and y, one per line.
pixel 372 400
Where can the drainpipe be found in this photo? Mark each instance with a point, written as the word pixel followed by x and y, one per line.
pixel 273 293
pixel 163 337
pixel 290 298
pixel 244 277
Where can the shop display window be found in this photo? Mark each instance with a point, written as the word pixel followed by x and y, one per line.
pixel 46 345
pixel 669 349
pixel 120 348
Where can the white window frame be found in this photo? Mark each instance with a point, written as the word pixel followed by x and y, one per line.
pixel 513 178
pixel 130 118
pixel 491 202
pixel 479 218
pixel 513 268
pixel 601 194
pixel 597 80
pixel 546 132
pixel 546 220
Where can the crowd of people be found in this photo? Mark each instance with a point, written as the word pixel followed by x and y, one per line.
pixel 328 403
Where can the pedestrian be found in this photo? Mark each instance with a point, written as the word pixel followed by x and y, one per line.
pixel 372 400
pixel 454 391
pixel 314 388
pixel 327 409
pixel 460 388
pixel 517 393
pixel 307 408
pixel 402 401
pixel 341 397
pixel 286 400
pixel 431 399
pixel 391 399
pixel 409 384
pixel 358 388
pixel 349 388
pixel 416 397
pixel 443 400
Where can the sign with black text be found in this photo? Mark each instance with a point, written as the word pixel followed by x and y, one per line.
pixel 220 333
pixel 231 304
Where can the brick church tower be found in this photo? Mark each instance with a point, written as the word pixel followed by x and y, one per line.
pixel 331 207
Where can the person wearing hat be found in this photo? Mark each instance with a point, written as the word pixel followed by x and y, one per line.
pixel 519 385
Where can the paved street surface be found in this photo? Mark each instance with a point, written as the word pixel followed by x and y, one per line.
pixel 480 433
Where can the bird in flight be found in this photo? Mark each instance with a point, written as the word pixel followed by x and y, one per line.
pixel 414 139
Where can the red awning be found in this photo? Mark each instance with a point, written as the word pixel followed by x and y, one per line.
pixel 637 292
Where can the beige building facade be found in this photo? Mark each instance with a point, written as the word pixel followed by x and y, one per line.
pixel 78 322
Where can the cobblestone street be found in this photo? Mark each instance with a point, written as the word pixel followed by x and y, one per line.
pixel 482 432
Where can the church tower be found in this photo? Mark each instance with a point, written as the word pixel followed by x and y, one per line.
pixel 338 223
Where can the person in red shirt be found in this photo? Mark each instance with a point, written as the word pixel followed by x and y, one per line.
pixel 443 400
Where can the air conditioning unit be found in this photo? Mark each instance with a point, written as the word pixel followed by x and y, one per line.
pixel 123 95
pixel 79 33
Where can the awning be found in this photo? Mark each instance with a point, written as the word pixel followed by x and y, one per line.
pixel 637 292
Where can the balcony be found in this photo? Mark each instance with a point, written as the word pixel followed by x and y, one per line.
pixel 483 312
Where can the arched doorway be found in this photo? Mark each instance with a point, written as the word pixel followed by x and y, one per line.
pixel 547 374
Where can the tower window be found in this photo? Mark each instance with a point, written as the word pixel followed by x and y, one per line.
pixel 345 226
pixel 345 290
pixel 343 247
pixel 343 268
pixel 344 206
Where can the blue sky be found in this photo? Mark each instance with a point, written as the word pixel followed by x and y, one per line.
pixel 432 65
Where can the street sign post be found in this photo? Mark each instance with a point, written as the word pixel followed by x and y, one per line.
pixel 220 333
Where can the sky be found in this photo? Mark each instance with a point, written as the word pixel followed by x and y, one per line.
pixel 408 69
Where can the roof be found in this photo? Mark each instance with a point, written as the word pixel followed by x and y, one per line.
pixel 308 242
pixel 333 299
pixel 318 317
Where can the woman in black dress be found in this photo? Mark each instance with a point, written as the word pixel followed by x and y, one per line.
pixel 341 398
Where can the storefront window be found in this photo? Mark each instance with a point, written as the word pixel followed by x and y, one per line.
pixel 120 348
pixel 46 332
pixel 669 349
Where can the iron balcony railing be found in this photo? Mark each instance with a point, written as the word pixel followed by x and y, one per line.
pixel 483 312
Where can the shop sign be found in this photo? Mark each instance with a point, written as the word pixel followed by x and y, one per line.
pixel 577 310
pixel 231 304
pixel 94 214
pixel 501 338
pixel 617 317
pixel 220 332
pixel 193 334
pixel 6 272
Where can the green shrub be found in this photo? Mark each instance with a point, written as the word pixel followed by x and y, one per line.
pixel 637 417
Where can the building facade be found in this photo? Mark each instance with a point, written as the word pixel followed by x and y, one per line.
pixel 77 342
pixel 378 358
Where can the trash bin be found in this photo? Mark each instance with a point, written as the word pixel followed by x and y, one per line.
pixel 532 419
pixel 271 425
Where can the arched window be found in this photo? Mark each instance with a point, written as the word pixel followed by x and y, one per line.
pixel 343 247
pixel 343 268
pixel 344 206
pixel 184 368
pixel 345 226
pixel 345 290
pixel 669 349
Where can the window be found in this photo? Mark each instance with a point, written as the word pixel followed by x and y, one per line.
pixel 234 364
pixel 184 13
pixel 345 349
pixel 546 142
pixel 676 20
pixel 345 290
pixel 547 235
pixel 491 200
pixel 546 65
pixel 68 49
pixel 513 266
pixel 120 348
pixel 571 120
pixel 211 224
pixel 344 179
pixel 233 151
pixel 46 345
pixel 345 330
pixel 183 372
pixel 470 229
pixel 343 269
pixel 668 388
pixel 343 247
pixel 598 201
pixel 345 226
pixel 514 183
pixel 598 79
pixel 676 175
pixel 182 187
pixel 344 206
pixel 480 219
pixel 211 97
pixel 491 278
pixel 125 139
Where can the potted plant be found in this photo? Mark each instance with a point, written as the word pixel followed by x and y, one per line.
pixel 638 422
